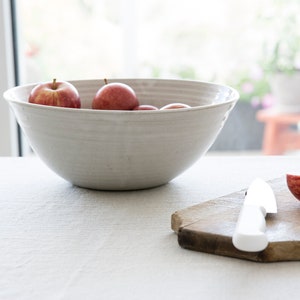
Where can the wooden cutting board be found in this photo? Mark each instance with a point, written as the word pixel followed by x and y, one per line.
pixel 209 226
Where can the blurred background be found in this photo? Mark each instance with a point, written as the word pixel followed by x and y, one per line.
pixel 244 44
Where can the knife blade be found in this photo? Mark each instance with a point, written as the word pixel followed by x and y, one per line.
pixel 249 234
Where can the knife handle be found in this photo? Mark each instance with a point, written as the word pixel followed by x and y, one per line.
pixel 249 233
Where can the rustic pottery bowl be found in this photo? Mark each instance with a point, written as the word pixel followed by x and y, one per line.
pixel 125 150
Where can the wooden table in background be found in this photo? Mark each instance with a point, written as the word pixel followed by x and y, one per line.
pixel 278 135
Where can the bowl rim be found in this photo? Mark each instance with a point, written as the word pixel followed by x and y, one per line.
pixel 233 97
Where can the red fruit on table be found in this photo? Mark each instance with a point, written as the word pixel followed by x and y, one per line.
pixel 115 96
pixel 55 93
pixel 293 183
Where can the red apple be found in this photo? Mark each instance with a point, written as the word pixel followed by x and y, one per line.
pixel 293 183
pixel 115 96
pixel 175 106
pixel 55 93
pixel 145 107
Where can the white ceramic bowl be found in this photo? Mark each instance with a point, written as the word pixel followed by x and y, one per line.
pixel 125 150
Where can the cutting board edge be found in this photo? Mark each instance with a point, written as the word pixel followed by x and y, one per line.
pixel 275 252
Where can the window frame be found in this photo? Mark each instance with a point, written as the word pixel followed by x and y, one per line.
pixel 9 130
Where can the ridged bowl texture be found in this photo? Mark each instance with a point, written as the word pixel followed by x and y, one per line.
pixel 125 150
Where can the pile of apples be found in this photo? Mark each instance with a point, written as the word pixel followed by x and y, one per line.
pixel 111 96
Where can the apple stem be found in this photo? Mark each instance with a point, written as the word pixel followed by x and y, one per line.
pixel 105 81
pixel 54 86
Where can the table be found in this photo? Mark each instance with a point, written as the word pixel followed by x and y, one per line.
pixel 63 242
pixel 278 136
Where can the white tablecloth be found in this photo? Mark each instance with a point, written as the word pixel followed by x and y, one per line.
pixel 62 242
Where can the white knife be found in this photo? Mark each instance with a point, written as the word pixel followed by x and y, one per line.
pixel 249 234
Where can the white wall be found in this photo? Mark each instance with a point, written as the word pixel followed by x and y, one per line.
pixel 8 128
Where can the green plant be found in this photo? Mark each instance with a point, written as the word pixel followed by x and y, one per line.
pixel 281 29
pixel 280 35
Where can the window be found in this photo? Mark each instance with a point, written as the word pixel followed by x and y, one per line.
pixel 196 39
